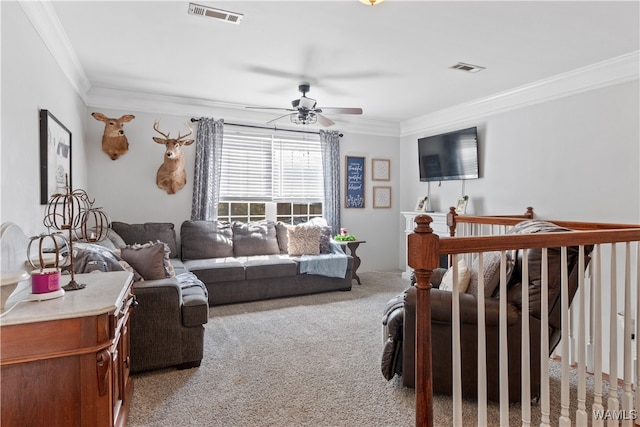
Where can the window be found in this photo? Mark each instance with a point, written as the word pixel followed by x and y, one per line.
pixel 270 177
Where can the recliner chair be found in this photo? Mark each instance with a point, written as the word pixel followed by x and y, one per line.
pixel 399 352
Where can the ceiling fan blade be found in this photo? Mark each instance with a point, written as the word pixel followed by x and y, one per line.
pixel 275 72
pixel 278 118
pixel 324 121
pixel 271 108
pixel 338 110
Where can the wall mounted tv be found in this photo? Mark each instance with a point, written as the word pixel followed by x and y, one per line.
pixel 449 156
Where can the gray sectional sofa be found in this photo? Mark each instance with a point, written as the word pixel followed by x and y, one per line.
pixel 241 262
pixel 218 263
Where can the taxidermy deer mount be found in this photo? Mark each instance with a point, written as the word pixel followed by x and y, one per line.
pixel 171 176
pixel 114 141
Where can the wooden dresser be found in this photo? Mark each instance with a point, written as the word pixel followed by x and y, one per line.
pixel 65 361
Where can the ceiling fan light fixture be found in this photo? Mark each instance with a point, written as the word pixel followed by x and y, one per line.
pixel 371 2
pixel 303 119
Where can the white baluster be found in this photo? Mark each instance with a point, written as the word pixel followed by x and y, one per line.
pixel 564 420
pixel 455 351
pixel 627 395
pixel 637 394
pixel 598 406
pixel 504 357
pixel 526 347
pixel 612 403
pixel 545 406
pixel 581 413
pixel 482 347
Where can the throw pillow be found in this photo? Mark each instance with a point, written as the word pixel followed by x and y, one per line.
pixel 325 233
pixel 303 240
pixel 151 259
pixel 255 238
pixel 463 278
pixel 491 273
pixel 281 234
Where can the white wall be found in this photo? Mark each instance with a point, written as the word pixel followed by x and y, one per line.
pixel 32 80
pixel 574 158
pixel 126 187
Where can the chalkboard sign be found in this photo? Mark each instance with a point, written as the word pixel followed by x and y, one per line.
pixel 354 182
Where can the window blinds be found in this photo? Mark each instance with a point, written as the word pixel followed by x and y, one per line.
pixel 259 167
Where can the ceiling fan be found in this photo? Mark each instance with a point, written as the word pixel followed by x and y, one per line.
pixel 304 110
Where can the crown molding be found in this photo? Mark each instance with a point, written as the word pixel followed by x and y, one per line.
pixel 45 21
pixel 614 71
pixel 132 101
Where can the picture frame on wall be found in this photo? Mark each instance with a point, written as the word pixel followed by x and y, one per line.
pixel 381 197
pixel 380 170
pixel 55 156
pixel 421 204
pixel 354 182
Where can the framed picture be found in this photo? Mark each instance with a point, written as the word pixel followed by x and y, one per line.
pixel 55 156
pixel 421 204
pixel 381 197
pixel 380 170
pixel 461 207
pixel 354 182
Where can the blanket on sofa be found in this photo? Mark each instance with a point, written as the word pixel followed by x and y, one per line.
pixel 333 264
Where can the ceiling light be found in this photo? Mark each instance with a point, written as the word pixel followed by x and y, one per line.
pixel 371 2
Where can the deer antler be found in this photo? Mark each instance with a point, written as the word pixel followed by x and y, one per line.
pixel 184 136
pixel 155 127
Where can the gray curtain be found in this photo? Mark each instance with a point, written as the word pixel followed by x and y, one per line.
pixel 330 146
pixel 206 179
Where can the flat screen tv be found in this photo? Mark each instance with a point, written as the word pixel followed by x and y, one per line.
pixel 449 156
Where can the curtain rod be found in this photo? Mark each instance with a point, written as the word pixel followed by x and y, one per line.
pixel 193 119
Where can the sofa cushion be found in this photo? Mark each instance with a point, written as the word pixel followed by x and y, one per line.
pixel 325 233
pixel 255 238
pixel 206 239
pixel 491 273
pixel 214 270
pixel 266 266
pixel 281 234
pixel 463 278
pixel 303 240
pixel 150 260
pixel 534 259
pixel 147 232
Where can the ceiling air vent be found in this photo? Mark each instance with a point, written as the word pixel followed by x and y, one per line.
pixel 467 67
pixel 219 14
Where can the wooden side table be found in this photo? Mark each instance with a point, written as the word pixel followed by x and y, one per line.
pixel 353 246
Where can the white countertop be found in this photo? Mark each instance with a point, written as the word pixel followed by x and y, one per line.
pixel 103 294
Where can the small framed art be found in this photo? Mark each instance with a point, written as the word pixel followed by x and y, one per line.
pixel 55 156
pixel 461 207
pixel 421 204
pixel 381 197
pixel 380 170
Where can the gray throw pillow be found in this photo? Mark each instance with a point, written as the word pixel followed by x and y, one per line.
pixel 151 259
pixel 255 238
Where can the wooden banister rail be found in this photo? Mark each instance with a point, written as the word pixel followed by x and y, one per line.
pixel 424 250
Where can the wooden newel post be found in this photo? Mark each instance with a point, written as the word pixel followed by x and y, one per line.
pixel 422 249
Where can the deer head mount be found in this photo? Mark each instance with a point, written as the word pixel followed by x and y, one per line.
pixel 114 141
pixel 171 175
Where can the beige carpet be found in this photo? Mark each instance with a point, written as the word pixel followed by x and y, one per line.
pixel 303 361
